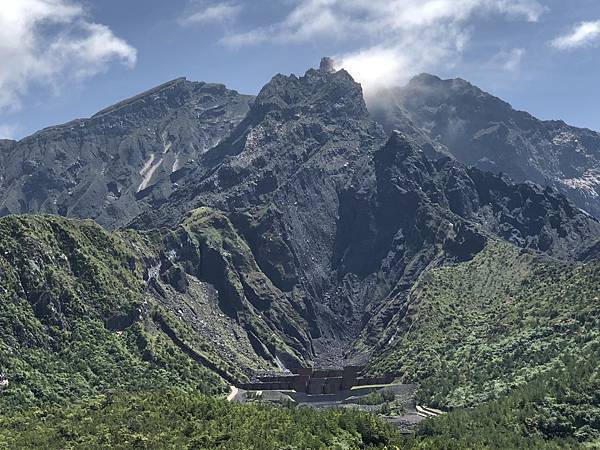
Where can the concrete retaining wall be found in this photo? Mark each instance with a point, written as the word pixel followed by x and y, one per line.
pixel 316 382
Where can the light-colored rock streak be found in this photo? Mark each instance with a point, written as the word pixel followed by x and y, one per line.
pixel 233 393
pixel 148 165
pixel 589 183
pixel 176 165
pixel 148 175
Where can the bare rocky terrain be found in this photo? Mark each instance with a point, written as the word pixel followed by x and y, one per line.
pixel 483 131
pixel 106 167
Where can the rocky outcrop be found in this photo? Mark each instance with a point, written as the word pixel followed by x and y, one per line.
pixel 5 147
pixel 481 130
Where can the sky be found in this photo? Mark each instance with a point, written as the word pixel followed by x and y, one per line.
pixel 67 59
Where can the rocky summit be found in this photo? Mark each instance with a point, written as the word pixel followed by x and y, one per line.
pixel 302 227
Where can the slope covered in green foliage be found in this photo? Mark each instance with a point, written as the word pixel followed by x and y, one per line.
pixel 84 311
pixel 75 320
pixel 559 409
pixel 507 323
pixel 181 421
pixel 164 420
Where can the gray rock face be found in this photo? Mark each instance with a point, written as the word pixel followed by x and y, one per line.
pixel 484 131
pixel 316 123
pixel 106 167
pixel 343 219
pixel 407 215
pixel 5 147
pixel 279 175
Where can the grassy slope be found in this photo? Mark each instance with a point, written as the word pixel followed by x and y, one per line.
pixel 507 324
pixel 78 318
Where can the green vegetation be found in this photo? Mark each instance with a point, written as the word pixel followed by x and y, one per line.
pixel 376 398
pixel 559 409
pixel 168 419
pixel 509 342
pixel 75 320
pixel 179 421
pixel 85 312
pixel 509 328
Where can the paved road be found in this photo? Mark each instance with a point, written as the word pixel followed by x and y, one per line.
pixel 425 411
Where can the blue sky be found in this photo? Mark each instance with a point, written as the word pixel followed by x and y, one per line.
pixel 64 59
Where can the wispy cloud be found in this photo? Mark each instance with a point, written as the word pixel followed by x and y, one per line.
pixel 582 35
pixel 511 60
pixel 49 41
pixel 8 131
pixel 206 14
pixel 402 36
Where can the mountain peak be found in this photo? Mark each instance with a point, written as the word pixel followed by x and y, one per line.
pixel 484 131
pixel 398 139
pixel 401 158
pixel 401 148
pixel 331 92
pixel 425 78
pixel 429 80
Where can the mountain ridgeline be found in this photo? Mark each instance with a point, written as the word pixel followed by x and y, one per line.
pixel 302 227
pixel 105 167
pixel 484 131
pixel 343 218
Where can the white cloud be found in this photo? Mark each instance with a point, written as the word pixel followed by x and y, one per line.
pixel 510 61
pixel 202 14
pixel 48 42
pixel 394 39
pixel 583 34
pixel 531 10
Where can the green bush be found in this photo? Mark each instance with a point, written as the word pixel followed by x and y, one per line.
pixel 377 398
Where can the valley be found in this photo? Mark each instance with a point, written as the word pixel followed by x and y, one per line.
pixel 159 255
